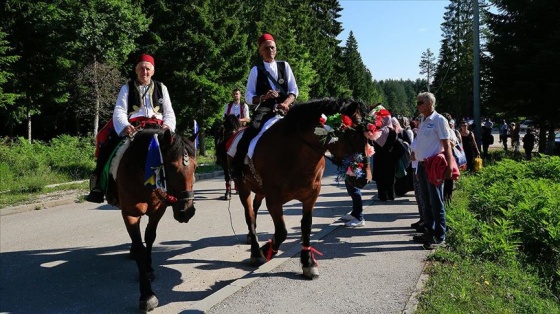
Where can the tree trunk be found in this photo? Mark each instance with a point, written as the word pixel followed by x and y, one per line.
pixel 29 119
pixel 97 98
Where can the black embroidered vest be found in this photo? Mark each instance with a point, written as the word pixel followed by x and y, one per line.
pixel 134 96
pixel 263 85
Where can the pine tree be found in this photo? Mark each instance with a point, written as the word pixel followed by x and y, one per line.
pixel 7 99
pixel 427 66
pixel 524 45
pixel 359 78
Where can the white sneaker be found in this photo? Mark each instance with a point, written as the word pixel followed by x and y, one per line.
pixel 355 223
pixel 347 217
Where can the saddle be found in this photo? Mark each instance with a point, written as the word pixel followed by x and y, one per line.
pixel 107 182
pixel 232 148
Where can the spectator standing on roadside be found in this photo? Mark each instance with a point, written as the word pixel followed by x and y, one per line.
pixel 469 145
pixel 433 139
pixel 455 139
pixel 504 131
pixel 514 131
pixel 529 143
pixel 487 137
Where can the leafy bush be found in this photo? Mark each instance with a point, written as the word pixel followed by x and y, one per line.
pixel 26 167
pixel 510 214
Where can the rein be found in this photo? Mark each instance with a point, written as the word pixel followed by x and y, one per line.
pixel 169 199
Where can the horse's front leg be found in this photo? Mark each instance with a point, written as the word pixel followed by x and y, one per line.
pixel 150 237
pixel 307 257
pixel 148 300
pixel 257 202
pixel 270 249
pixel 250 220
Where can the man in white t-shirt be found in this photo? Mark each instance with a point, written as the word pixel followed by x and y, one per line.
pixel 237 108
pixel 433 139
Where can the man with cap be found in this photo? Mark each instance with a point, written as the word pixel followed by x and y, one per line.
pixel 271 87
pixel 141 101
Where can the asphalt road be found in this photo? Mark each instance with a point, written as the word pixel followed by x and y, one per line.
pixel 73 258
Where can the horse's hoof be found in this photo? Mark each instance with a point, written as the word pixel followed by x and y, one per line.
pixel 151 276
pixel 311 272
pixel 257 261
pixel 150 304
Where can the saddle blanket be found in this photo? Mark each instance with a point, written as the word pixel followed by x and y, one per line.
pixel 233 148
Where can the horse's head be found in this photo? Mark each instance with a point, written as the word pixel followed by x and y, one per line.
pixel 231 124
pixel 180 164
pixel 351 138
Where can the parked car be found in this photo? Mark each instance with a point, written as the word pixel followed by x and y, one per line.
pixel 525 125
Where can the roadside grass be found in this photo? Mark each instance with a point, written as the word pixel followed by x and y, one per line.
pixel 503 253
pixel 29 170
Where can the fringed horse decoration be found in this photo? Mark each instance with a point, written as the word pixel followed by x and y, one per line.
pixel 288 164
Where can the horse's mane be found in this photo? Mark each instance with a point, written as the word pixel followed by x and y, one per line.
pixel 231 123
pixel 142 139
pixel 306 114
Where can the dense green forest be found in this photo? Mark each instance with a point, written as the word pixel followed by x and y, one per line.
pixel 62 62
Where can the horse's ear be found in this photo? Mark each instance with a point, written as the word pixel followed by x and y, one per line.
pixel 193 137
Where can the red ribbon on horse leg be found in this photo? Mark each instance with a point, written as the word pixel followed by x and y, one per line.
pixel 312 250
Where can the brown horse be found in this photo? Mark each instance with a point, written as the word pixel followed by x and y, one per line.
pixel 137 200
pixel 288 164
pixel 229 126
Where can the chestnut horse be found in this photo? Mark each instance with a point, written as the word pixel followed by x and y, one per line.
pixel 229 126
pixel 137 200
pixel 288 164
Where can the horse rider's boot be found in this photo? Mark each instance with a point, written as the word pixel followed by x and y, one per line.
pixel 95 193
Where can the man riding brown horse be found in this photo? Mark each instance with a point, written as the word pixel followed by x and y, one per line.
pixel 142 102
pixel 271 87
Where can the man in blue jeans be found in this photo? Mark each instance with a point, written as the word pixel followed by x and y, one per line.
pixel 433 138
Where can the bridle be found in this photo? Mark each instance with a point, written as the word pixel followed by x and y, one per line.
pixel 169 198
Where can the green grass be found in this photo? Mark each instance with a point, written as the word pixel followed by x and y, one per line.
pixel 27 170
pixel 458 285
pixel 503 253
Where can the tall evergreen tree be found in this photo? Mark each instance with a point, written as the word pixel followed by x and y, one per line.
pixel 7 99
pixel 524 46
pixel 359 78
pixel 453 83
pixel 427 66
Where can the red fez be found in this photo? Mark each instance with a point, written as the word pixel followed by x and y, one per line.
pixel 264 37
pixel 146 58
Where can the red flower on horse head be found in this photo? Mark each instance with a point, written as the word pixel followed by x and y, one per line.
pixel 346 121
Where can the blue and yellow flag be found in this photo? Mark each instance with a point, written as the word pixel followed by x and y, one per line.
pixel 154 165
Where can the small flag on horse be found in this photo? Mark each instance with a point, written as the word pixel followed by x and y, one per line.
pixel 195 131
pixel 154 166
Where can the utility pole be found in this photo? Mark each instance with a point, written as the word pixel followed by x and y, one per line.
pixel 476 73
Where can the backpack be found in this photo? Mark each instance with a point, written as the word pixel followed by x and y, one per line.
pixel 404 151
